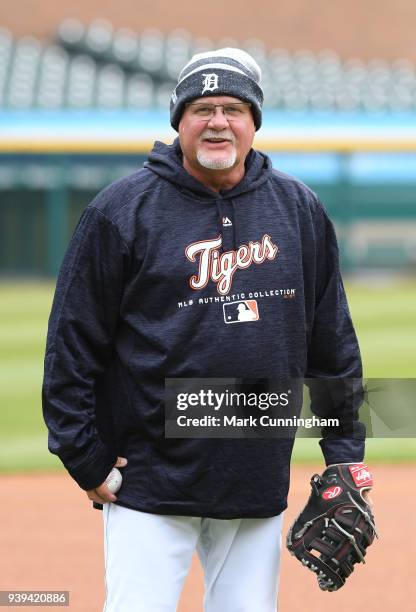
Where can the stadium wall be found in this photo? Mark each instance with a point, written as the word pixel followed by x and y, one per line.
pixel 370 29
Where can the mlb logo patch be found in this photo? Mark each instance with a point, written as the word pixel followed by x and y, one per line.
pixel 241 311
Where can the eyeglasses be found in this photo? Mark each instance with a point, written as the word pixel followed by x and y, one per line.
pixel 232 110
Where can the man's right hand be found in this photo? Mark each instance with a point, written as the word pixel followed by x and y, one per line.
pixel 102 494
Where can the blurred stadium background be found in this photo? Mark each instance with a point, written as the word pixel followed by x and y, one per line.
pixel 84 92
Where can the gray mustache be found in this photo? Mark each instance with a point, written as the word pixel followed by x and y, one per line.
pixel 213 134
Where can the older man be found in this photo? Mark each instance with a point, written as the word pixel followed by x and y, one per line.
pixel 205 263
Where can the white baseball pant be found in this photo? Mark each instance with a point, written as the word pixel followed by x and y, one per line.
pixel 148 556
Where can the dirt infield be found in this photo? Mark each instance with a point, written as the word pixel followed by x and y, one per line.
pixel 51 539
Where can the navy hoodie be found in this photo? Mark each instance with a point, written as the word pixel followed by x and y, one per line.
pixel 141 297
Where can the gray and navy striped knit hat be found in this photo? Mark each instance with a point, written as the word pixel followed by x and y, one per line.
pixel 225 72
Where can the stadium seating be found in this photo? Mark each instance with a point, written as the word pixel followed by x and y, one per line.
pixel 52 78
pixel 95 66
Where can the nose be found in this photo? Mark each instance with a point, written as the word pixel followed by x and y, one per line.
pixel 218 120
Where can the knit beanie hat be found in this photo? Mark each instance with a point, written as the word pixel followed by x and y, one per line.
pixel 225 72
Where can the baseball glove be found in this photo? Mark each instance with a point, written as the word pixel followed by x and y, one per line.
pixel 336 526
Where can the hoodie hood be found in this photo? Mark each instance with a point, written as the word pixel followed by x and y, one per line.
pixel 167 162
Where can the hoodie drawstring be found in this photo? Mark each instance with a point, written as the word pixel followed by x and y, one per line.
pixel 235 227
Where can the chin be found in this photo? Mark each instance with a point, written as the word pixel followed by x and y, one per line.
pixel 216 163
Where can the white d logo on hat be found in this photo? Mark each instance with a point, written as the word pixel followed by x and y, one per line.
pixel 210 82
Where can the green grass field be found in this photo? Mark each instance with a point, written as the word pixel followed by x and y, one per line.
pixel 384 316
